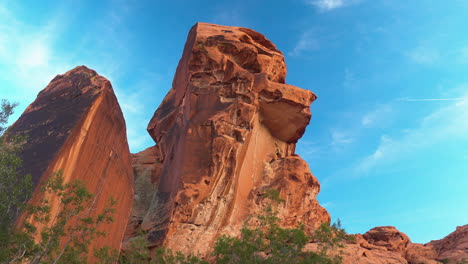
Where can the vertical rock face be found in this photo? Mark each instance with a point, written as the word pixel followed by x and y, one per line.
pixel 76 125
pixel 226 133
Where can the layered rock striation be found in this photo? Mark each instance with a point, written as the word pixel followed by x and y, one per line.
pixel 226 133
pixel 76 126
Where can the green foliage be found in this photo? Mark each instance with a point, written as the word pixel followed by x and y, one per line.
pixel 330 237
pixel 139 252
pixel 447 261
pixel 15 191
pixel 7 109
pixel 63 237
pixel 66 236
pixel 270 243
pixel 273 195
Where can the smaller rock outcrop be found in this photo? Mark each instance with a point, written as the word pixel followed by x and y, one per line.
pixel 388 237
pixel 385 245
pixel 419 253
pixel 453 247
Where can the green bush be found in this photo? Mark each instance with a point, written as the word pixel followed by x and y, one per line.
pixel 270 243
pixel 63 238
pixel 66 237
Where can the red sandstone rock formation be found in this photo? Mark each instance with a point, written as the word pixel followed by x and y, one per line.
pixel 226 132
pixel 146 168
pixel 388 237
pixel 388 245
pixel 76 125
pixel 453 247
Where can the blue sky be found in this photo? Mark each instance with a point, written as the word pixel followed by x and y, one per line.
pixel 389 134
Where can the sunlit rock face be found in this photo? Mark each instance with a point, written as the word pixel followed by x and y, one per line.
pixel 453 247
pixel 387 245
pixel 75 125
pixel 225 133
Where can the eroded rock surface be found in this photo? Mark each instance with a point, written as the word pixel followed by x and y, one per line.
pixel 453 247
pixel 226 133
pixel 75 125
pixel 386 244
pixel 146 169
pixel 388 237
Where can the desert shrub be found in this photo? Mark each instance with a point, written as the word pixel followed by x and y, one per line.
pixel 270 243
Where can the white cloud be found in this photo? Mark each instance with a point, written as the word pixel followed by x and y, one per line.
pixel 433 99
pixel 328 5
pixel 29 59
pixel 340 138
pixel 377 115
pixel 27 54
pixel 307 42
pixel 444 123
pixel 310 148
pixel 34 54
pixel 424 55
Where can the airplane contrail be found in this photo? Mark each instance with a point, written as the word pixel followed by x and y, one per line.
pixel 434 99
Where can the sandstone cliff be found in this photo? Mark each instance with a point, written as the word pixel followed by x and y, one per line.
pixel 76 125
pixel 225 133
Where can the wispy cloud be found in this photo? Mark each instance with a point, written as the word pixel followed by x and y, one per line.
pixel 328 5
pixel 433 99
pixel 327 205
pixel 350 127
pixel 306 43
pixel 27 56
pixel 444 123
pixel 133 101
pixel 424 55
pixel 381 112
pixel 340 137
pixel 31 55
